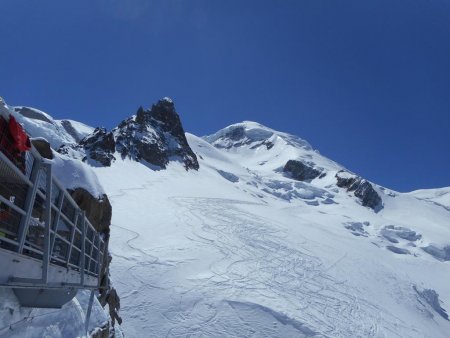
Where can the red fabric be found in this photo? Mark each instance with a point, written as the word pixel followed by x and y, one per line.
pixel 4 215
pixel 21 139
pixel 6 141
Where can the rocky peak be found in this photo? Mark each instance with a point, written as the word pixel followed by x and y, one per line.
pixel 154 135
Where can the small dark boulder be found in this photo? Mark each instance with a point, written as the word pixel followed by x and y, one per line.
pixel 98 210
pixel 301 171
pixel 43 147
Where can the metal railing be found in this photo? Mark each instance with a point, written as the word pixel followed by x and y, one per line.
pixel 39 219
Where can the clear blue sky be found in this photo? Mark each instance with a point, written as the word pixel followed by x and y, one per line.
pixel 366 82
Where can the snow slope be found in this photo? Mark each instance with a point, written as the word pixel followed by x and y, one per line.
pixel 440 196
pixel 238 249
pixel 56 132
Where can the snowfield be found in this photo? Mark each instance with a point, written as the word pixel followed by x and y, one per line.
pixel 238 249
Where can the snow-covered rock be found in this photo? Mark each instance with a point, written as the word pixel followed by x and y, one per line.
pixel 155 136
pixel 56 132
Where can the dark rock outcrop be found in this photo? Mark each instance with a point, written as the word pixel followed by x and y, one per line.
pixel 155 135
pixel 98 211
pixel 301 171
pixel 95 149
pixel 43 147
pixel 100 146
pixel 361 188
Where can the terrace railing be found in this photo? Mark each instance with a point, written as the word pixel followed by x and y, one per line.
pixel 40 222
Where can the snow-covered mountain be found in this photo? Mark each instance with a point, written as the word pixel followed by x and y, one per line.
pixel 265 238
pixel 249 246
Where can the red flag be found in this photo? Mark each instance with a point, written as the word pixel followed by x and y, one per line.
pixel 21 139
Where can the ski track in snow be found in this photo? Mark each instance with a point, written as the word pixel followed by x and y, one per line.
pixel 258 264
pixel 255 264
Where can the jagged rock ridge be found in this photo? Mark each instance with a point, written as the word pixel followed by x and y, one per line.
pixel 154 135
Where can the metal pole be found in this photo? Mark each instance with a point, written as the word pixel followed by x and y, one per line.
pixel 83 249
pixel 72 236
pixel 48 214
pixel 29 203
pixel 88 314
pixel 57 217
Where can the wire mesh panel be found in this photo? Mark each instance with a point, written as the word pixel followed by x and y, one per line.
pixel 12 187
pixel 56 194
pixel 9 228
pixel 35 237
pixel 60 251
pixel 29 163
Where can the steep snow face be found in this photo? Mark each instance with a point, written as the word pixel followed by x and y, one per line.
pixel 239 249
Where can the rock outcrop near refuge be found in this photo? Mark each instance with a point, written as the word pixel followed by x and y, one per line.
pixel 154 135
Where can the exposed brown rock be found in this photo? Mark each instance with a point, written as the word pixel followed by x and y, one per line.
pixel 43 147
pixel 98 211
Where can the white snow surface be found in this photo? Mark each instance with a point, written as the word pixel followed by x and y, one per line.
pixel 440 196
pixel 239 250
pixel 18 322
pixel 74 174
pixel 43 125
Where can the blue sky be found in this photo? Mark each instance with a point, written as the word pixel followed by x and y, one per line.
pixel 366 82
